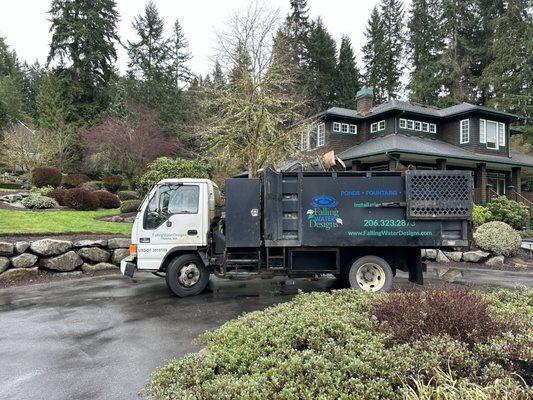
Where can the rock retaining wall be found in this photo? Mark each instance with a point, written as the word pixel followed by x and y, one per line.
pixel 477 256
pixel 24 258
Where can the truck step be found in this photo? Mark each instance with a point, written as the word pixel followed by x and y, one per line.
pixel 242 261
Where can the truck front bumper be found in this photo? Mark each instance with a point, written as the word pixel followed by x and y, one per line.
pixel 128 266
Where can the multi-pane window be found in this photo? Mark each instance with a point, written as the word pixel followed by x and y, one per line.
pixel 321 135
pixel 425 127
pixel 345 128
pixel 381 125
pixel 432 128
pixel 410 124
pixel 353 129
pixel 377 126
pixel 464 131
pixel 336 127
pixel 501 134
pixel 482 131
pixel 403 123
pixel 492 135
pixel 418 126
pixel 304 141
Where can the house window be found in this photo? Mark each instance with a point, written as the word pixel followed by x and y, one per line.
pixel 418 126
pixel 345 128
pixel 410 124
pixel 501 134
pixel 482 131
pixel 381 125
pixel 403 123
pixel 374 127
pixel 336 127
pixel 304 141
pixel 321 135
pixel 353 129
pixel 425 126
pixel 492 134
pixel 432 128
pixel 465 131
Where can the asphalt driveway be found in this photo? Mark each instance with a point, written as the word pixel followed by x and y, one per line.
pixel 100 338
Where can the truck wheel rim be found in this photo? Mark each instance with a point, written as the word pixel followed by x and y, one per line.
pixel 189 275
pixel 370 277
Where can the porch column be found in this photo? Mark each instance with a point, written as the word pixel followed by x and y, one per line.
pixel 481 182
pixel 356 165
pixel 516 180
pixel 441 163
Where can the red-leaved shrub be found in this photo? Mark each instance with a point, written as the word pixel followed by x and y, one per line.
pixel 107 199
pixel 58 195
pixel 46 176
pixel 112 182
pixel 459 312
pixel 74 180
pixel 80 199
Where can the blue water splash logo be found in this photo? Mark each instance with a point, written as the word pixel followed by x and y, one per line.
pixel 324 201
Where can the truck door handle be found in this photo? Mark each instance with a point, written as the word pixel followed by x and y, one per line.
pixel 192 232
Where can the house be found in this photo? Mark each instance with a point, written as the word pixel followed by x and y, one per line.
pixel 398 134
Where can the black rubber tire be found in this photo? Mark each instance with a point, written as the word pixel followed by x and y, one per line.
pixel 171 276
pixel 353 267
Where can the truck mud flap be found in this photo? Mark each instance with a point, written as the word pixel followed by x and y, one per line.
pixel 416 267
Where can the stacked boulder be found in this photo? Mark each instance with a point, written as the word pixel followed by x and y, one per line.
pixel 473 256
pixel 21 259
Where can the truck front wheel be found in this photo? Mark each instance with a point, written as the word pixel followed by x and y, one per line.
pixel 187 275
pixel 370 273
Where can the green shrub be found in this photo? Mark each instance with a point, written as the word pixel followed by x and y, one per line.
pixel 81 200
pixel 92 186
pixel 112 183
pixel 509 211
pixel 330 346
pixel 107 199
pixel 129 206
pixel 526 234
pixel 481 214
pixel 10 185
pixel 46 176
pixel 43 191
pixel 38 201
pixel 128 195
pixel 166 168
pixel 71 181
pixel 498 238
pixel 58 195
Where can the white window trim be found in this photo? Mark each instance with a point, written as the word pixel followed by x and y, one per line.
pixel 426 124
pixel 432 128
pixel 374 127
pixel 482 131
pixel 403 123
pixel 497 135
pixel 336 127
pixel 419 126
pixel 502 133
pixel 345 128
pixel 354 129
pixel 321 135
pixel 412 123
pixel 382 122
pixel 304 144
pixel 465 122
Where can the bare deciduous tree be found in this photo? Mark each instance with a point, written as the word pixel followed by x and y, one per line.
pixel 20 147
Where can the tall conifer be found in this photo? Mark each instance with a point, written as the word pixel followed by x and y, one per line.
pixel 347 75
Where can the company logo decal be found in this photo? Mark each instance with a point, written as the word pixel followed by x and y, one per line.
pixel 323 213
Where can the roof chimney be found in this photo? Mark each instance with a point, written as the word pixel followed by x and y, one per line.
pixel 365 100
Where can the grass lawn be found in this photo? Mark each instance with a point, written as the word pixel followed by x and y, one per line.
pixel 44 222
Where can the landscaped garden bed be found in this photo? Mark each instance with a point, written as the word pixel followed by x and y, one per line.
pixel 435 344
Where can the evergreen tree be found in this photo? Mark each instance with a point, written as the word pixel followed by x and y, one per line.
pixel 84 33
pixel 426 45
pixel 510 74
pixel 180 56
pixel 31 79
pixel 297 28
pixel 11 95
pixel 321 67
pixel 392 19
pixel 374 55
pixel 347 77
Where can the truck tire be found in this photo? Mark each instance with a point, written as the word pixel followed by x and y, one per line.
pixel 187 275
pixel 370 273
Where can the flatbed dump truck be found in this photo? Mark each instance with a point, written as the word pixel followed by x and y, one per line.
pixel 359 226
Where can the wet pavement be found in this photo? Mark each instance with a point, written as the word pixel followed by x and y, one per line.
pixel 100 338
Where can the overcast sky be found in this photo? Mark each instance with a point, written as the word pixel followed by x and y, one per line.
pixel 25 25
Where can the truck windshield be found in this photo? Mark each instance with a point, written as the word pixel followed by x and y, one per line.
pixel 173 199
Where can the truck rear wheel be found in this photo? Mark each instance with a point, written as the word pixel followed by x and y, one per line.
pixel 370 273
pixel 187 275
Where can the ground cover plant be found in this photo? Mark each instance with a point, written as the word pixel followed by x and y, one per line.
pixel 14 222
pixel 345 345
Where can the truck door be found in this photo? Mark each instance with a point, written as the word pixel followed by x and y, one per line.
pixel 173 217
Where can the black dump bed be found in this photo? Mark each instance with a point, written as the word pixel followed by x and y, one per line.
pixel 340 209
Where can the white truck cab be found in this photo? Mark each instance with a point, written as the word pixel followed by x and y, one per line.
pixel 175 216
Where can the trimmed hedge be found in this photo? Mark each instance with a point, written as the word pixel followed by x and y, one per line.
pixel 129 206
pixel 38 201
pixel 71 181
pixel 107 199
pixel 92 186
pixel 81 200
pixel 128 195
pixel 46 176
pixel 58 195
pixel 498 238
pixel 509 211
pixel 113 183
